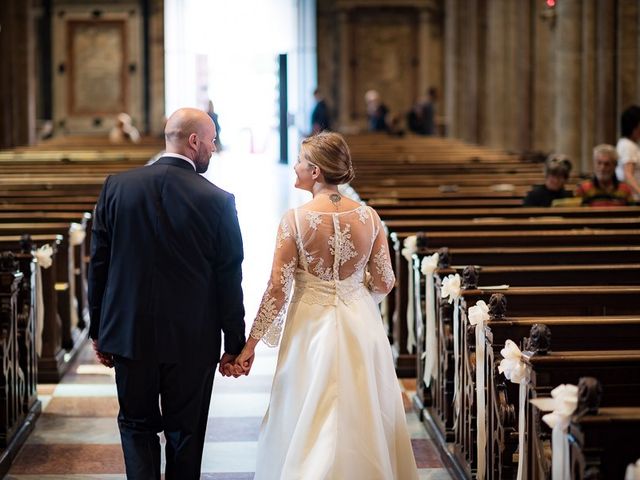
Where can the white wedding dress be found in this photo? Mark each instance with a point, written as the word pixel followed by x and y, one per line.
pixel 336 410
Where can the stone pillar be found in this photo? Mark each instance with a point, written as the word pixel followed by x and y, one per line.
pixel 344 86
pixel 424 66
pixel 520 70
pixel 605 118
pixel 627 54
pixel 568 78
pixel 495 85
pixel 589 103
pixel 451 68
pixel 17 72
pixel 543 92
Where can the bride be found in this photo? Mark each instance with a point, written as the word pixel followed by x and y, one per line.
pixel 336 410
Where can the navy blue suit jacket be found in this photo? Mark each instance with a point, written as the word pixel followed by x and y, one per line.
pixel 165 273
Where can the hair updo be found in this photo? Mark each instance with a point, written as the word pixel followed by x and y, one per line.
pixel 330 152
pixel 557 164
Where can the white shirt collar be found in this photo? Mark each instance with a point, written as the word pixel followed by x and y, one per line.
pixel 177 155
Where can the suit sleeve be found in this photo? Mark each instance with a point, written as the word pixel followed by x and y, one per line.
pixel 99 264
pixel 228 278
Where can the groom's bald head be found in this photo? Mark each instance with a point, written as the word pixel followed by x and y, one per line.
pixel 191 132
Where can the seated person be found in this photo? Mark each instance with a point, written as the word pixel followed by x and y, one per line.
pixel 557 168
pixel 604 189
pixel 416 120
pixel 376 112
pixel 124 131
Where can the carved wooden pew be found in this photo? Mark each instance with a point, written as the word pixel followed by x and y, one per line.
pixel 19 406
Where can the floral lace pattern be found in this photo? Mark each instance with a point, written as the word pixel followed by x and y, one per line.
pixel 328 266
pixel 314 219
pixel 383 267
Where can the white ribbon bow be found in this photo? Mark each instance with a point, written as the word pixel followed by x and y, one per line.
pixel 410 247
pixel 563 402
pixel 516 370
pixel 451 288
pixel 76 234
pixel 429 265
pixel 633 471
pixel 43 256
pixel 479 315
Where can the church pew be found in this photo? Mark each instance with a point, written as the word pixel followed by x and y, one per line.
pixel 471 214
pixel 70 284
pixel 17 411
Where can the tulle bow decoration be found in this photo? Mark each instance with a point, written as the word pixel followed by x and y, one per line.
pixel 563 402
pixel 76 234
pixel 430 264
pixel 43 256
pixel 451 287
pixel 428 267
pixel 515 369
pixel 633 471
pixel 410 247
pixel 512 364
pixel 478 315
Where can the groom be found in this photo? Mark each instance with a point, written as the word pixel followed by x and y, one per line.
pixel 164 281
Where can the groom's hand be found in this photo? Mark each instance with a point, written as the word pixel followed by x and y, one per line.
pixel 105 359
pixel 227 367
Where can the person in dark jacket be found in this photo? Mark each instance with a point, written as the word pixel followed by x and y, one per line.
pixel 557 169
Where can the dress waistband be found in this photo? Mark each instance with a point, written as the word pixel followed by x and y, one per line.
pixel 313 290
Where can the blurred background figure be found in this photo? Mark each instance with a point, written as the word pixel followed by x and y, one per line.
pixel 376 112
pixel 429 111
pixel 124 131
pixel 557 169
pixel 628 169
pixel 320 114
pixel 214 116
pixel 604 189
pixel 416 119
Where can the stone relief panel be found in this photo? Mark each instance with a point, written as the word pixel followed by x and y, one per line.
pixel 97 81
pixel 384 58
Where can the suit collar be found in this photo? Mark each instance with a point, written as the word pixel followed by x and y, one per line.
pixel 176 162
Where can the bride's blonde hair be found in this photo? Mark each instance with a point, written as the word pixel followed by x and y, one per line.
pixel 330 152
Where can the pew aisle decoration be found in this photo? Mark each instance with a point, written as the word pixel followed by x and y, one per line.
pixel 43 258
pixel 428 267
pixel 479 316
pixel 562 404
pixel 633 471
pixel 451 289
pixel 76 234
pixel 410 247
pixel 515 369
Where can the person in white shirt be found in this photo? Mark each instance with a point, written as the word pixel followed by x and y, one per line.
pixel 628 169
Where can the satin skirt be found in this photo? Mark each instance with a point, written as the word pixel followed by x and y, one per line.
pixel 336 409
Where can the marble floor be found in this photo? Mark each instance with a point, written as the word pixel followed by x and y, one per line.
pixel 77 436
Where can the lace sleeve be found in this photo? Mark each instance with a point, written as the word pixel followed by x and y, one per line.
pixel 381 278
pixel 271 314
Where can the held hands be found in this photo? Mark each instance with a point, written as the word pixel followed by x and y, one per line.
pixel 105 359
pixel 238 365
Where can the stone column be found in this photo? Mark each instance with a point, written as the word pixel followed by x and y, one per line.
pixel 451 66
pixel 568 78
pixel 543 92
pixel 519 75
pixel 495 85
pixel 344 86
pixel 17 87
pixel 589 104
pixel 424 65
pixel 627 54
pixel 605 118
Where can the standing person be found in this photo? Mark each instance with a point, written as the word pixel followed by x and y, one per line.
pixel 557 168
pixel 376 112
pixel 604 189
pixel 628 169
pixel 336 408
pixel 214 117
pixel 429 111
pixel 164 280
pixel 320 114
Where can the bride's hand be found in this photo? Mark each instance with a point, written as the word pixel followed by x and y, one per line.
pixel 244 361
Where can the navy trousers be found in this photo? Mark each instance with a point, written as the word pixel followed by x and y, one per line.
pixel 169 398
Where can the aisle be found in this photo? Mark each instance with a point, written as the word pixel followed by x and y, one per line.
pixel 77 435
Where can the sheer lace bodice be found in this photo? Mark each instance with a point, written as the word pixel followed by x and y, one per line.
pixel 335 252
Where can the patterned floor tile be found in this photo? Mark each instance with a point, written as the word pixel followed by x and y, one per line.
pixel 69 459
pixel 56 429
pixel 85 390
pixel 426 453
pixel 233 429
pixel 239 405
pixel 229 457
pixel 83 406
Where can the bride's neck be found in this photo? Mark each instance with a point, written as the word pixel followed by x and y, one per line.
pixel 320 188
